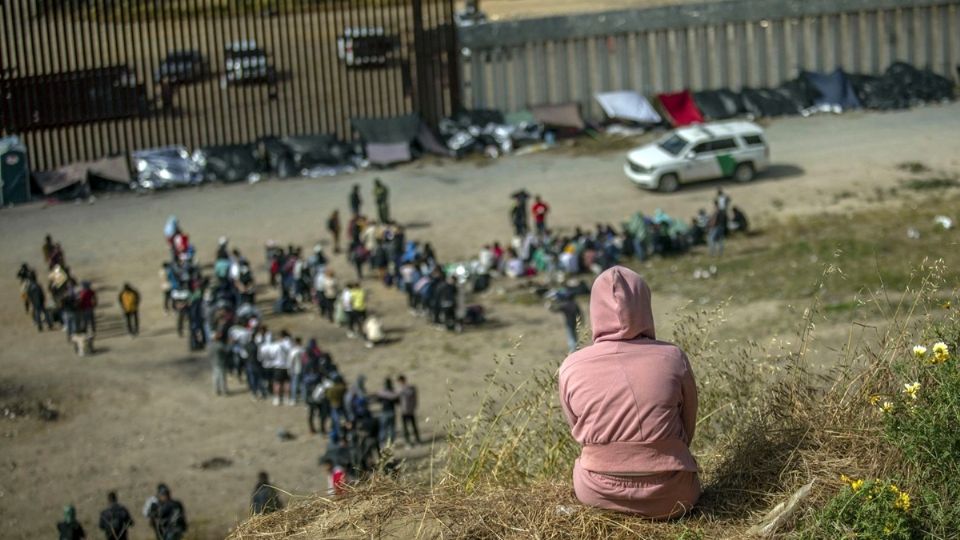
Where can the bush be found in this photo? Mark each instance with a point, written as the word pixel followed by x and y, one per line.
pixel 920 420
pixel 868 509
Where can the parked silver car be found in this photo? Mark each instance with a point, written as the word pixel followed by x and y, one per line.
pixel 169 166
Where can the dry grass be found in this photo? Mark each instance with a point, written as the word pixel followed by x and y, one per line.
pixel 504 472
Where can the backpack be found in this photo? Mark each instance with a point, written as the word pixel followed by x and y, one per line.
pixel 245 276
pixel 116 520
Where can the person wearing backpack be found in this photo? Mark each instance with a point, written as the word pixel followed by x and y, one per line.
pixel 167 516
pixel 115 521
pixel 70 528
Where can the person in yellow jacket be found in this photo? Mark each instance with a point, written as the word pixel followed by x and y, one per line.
pixel 358 304
pixel 130 304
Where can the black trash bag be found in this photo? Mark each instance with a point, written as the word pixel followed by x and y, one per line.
pixel 313 150
pixel 801 92
pixel 918 86
pixel 767 102
pixel 479 117
pixel 287 167
pixel 270 151
pixel 719 104
pixel 228 163
pixel 878 93
pixel 935 87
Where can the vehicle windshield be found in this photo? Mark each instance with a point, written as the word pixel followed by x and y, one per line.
pixel 182 56
pixel 673 144
pixel 245 53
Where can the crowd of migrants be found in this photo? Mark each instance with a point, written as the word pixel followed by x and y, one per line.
pixel 219 313
pixel 539 250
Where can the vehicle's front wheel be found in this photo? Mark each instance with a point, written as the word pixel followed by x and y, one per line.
pixel 668 183
pixel 744 172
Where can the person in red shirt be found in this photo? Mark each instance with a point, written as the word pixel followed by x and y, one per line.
pixel 336 477
pixel 86 302
pixel 540 211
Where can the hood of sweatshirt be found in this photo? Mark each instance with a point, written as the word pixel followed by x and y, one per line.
pixel 620 308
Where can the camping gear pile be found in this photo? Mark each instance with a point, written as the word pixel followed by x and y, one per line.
pixel 391 140
pixel 488 131
pixel 284 157
pixel 899 87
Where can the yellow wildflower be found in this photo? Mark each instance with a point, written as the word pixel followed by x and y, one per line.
pixel 887 530
pixel 902 502
pixel 856 485
pixel 941 353
pixel 845 479
pixel 911 389
pixel 919 351
pixel 887 407
pixel 874 400
pixel 894 488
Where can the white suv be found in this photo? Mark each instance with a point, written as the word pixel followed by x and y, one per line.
pixel 735 150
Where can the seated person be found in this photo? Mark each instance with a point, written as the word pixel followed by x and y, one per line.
pixel 739 221
pixel 631 403
pixel 373 331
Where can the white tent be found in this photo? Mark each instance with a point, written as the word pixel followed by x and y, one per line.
pixel 628 105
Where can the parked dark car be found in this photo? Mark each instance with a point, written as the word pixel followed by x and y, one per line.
pixel 182 67
pixel 71 97
pixel 246 62
pixel 366 47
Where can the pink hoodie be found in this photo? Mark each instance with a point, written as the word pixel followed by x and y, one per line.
pixel 631 403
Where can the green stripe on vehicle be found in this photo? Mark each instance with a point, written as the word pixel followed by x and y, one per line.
pixel 727 164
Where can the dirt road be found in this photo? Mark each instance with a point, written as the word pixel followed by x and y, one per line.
pixel 142 411
pixel 521 9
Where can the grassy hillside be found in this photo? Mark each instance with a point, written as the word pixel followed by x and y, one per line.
pixel 868 448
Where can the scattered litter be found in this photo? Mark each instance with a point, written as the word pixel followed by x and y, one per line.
pixel 620 130
pixel 215 463
pixel 284 435
pixel 254 178
pixel 913 234
pixel 705 273
pixel 44 410
pixel 532 149
pixel 944 222
pixel 564 510
pixel 325 171
pixel 47 412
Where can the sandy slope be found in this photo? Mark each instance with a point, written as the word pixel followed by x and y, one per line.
pixel 143 411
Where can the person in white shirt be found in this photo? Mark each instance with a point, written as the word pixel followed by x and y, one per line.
pixel 273 355
pixel 295 370
pixel 486 259
pixel 329 293
pixel 238 337
pixel 346 300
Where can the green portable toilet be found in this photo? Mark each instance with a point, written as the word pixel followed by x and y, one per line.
pixel 14 172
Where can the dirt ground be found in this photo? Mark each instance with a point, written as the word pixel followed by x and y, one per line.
pixel 522 9
pixel 142 410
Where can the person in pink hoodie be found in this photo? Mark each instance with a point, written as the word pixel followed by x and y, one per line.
pixel 631 403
